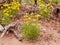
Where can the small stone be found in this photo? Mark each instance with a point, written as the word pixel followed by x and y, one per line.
pixel 1 28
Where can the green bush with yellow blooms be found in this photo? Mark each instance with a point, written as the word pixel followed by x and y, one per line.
pixel 8 12
pixel 30 29
pixel 44 9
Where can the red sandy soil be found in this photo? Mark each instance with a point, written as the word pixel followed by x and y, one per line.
pixel 49 35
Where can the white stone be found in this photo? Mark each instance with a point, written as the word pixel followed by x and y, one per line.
pixel 1 28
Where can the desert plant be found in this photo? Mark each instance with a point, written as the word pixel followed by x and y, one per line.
pixel 31 18
pixel 30 28
pixel 44 9
pixel 30 31
pixel 10 10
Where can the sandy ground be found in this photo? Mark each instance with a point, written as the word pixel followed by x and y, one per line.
pixel 50 35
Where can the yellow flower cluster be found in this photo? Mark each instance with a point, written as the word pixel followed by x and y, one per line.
pixel 41 5
pixel 15 5
pixel 10 7
pixel 44 8
pixel 10 10
pixel 28 18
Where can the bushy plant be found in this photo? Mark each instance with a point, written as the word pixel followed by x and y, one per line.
pixel 30 31
pixel 44 9
pixel 10 10
pixel 31 18
pixel 30 28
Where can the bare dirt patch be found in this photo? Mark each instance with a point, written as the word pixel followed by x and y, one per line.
pixel 50 35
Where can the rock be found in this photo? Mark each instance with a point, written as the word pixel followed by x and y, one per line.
pixel 1 28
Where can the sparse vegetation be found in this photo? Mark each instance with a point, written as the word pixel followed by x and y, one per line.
pixel 9 12
pixel 26 18
pixel 30 28
pixel 30 31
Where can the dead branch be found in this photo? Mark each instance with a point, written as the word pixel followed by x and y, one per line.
pixel 1 28
pixel 17 35
pixel 13 27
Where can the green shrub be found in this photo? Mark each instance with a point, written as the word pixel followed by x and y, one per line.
pixel 44 9
pixel 30 31
pixel 8 12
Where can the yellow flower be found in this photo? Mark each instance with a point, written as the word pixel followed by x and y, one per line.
pixel 18 3
pixel 18 8
pixel 42 5
pixel 37 15
pixel 3 19
pixel 26 15
pixel 6 4
pixel 32 14
pixel 45 10
pixel 6 14
pixel 9 7
pixel 14 8
pixel 11 15
pixel 5 10
pixel 29 18
pixel 34 19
